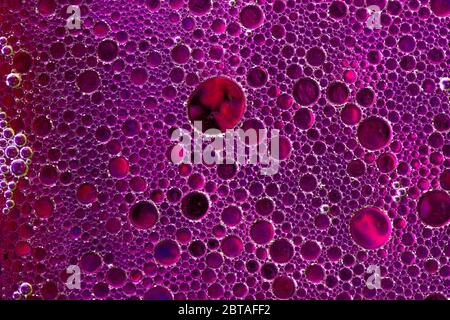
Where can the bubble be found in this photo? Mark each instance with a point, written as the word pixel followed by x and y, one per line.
pixel 180 54
pixel 197 248
pixel 226 171
pixel 46 7
pixel 86 193
pixel 107 50
pixel 440 8
pixel 90 262
pixel 131 127
pixel 315 56
pixel 350 114
pixel 194 205
pixel 48 175
pixel 25 289
pixel 143 215
pixel 365 97
pixel 304 118
pixel 13 80
pixel 257 77
pixel 370 228
pixel 199 7
pixel 283 287
pixel 434 208
pixel 436 296
pixel 154 59
pixel 19 168
pixel 445 179
pixel 281 251
pixel 42 126
pixel 167 252
pixel 386 162
pixel 7 50
pixel 218 103
pixel 251 17
pixel 232 246
pixel 442 122
pixel 158 293
pixel 269 271
pixel 308 182
pixel 315 273
pixel 337 93
pixel 306 91
pixel 264 206
pixel 310 250
pixel 88 81
pixel 262 232
pixel 374 133
pixel 337 10
pixel 231 216
pixel 118 167
pixel 22 61
pixel 153 5
pixel 407 44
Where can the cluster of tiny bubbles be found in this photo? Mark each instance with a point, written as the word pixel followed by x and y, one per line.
pixel 363 175
pixel 24 291
pixel 13 79
pixel 15 159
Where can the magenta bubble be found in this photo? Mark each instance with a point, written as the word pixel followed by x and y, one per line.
pixel 434 208
pixel 88 81
pixel 158 293
pixel 143 215
pixel 440 8
pixel 386 162
pixel 251 16
pixel 306 91
pixel 194 205
pixel 219 103
pixel 90 262
pixel 351 114
pixel 262 232
pixel 304 118
pixel 370 228
pixel 337 93
pixel 374 133
pixel 167 252
pixel 310 250
pixel 231 246
pixel 283 287
pixel 281 251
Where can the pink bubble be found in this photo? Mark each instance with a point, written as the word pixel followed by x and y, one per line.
pixel 374 133
pixel 281 251
pixel 231 246
pixel 167 252
pixel 86 193
pixel 370 228
pixel 251 17
pixel 90 262
pixel 143 215
pixel 118 167
pixel 262 232
pixel 306 91
pixel 434 208
pixel 283 287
